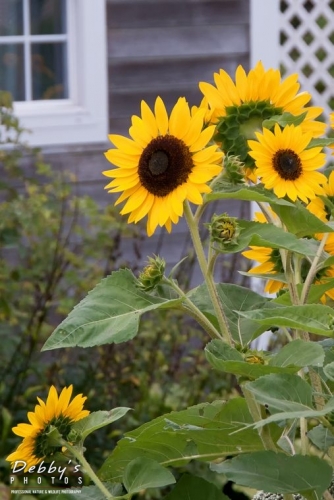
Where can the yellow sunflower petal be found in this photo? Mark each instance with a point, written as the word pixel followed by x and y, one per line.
pixel 195 129
pixel 64 398
pixel 126 194
pixel 168 225
pixel 161 116
pixel 135 200
pixel 140 212
pixel 125 145
pixel 179 120
pixel 149 119
pixel 120 159
pixel 193 194
pixel 203 139
pixel 23 430
pixel 139 132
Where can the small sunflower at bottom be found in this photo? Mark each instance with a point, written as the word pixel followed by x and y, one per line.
pixel 167 161
pixel 57 412
pixel 285 165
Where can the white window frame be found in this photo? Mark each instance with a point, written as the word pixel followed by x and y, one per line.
pixel 83 118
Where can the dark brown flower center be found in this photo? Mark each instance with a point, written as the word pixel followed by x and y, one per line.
pixel 287 164
pixel 165 164
pixel 158 163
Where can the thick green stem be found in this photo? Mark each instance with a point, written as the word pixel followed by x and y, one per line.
pixel 81 459
pixel 196 239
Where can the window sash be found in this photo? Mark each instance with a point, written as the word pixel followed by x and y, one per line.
pixel 83 117
pixel 27 39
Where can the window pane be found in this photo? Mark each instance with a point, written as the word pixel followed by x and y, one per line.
pixel 47 17
pixel 11 70
pixel 49 75
pixel 11 17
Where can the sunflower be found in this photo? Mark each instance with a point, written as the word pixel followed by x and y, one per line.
pixel 56 412
pixel 167 161
pixel 239 108
pixel 270 263
pixel 285 165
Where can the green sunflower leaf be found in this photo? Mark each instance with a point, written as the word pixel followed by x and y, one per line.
pixel 201 432
pixel 299 221
pixel 96 420
pixel 327 262
pixel 270 236
pixel 234 299
pixel 322 437
pixel 287 397
pixel 313 318
pixel 110 313
pixel 278 472
pixel 305 412
pixel 224 190
pixel 227 359
pixel 142 473
pixel 266 276
pixel 284 120
pixel 329 371
pixel 314 295
pixel 320 142
pixel 195 488
pixel 282 392
pixel 299 353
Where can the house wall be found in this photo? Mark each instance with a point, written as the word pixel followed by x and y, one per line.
pixel 160 47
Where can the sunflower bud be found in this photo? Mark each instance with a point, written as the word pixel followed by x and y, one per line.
pixel 152 274
pixel 224 231
pixel 234 170
pixel 254 357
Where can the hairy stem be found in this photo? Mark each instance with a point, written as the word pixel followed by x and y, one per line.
pixel 193 310
pixel 220 314
pixel 81 459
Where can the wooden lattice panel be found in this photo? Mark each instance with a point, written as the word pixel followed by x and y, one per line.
pixel 307 47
